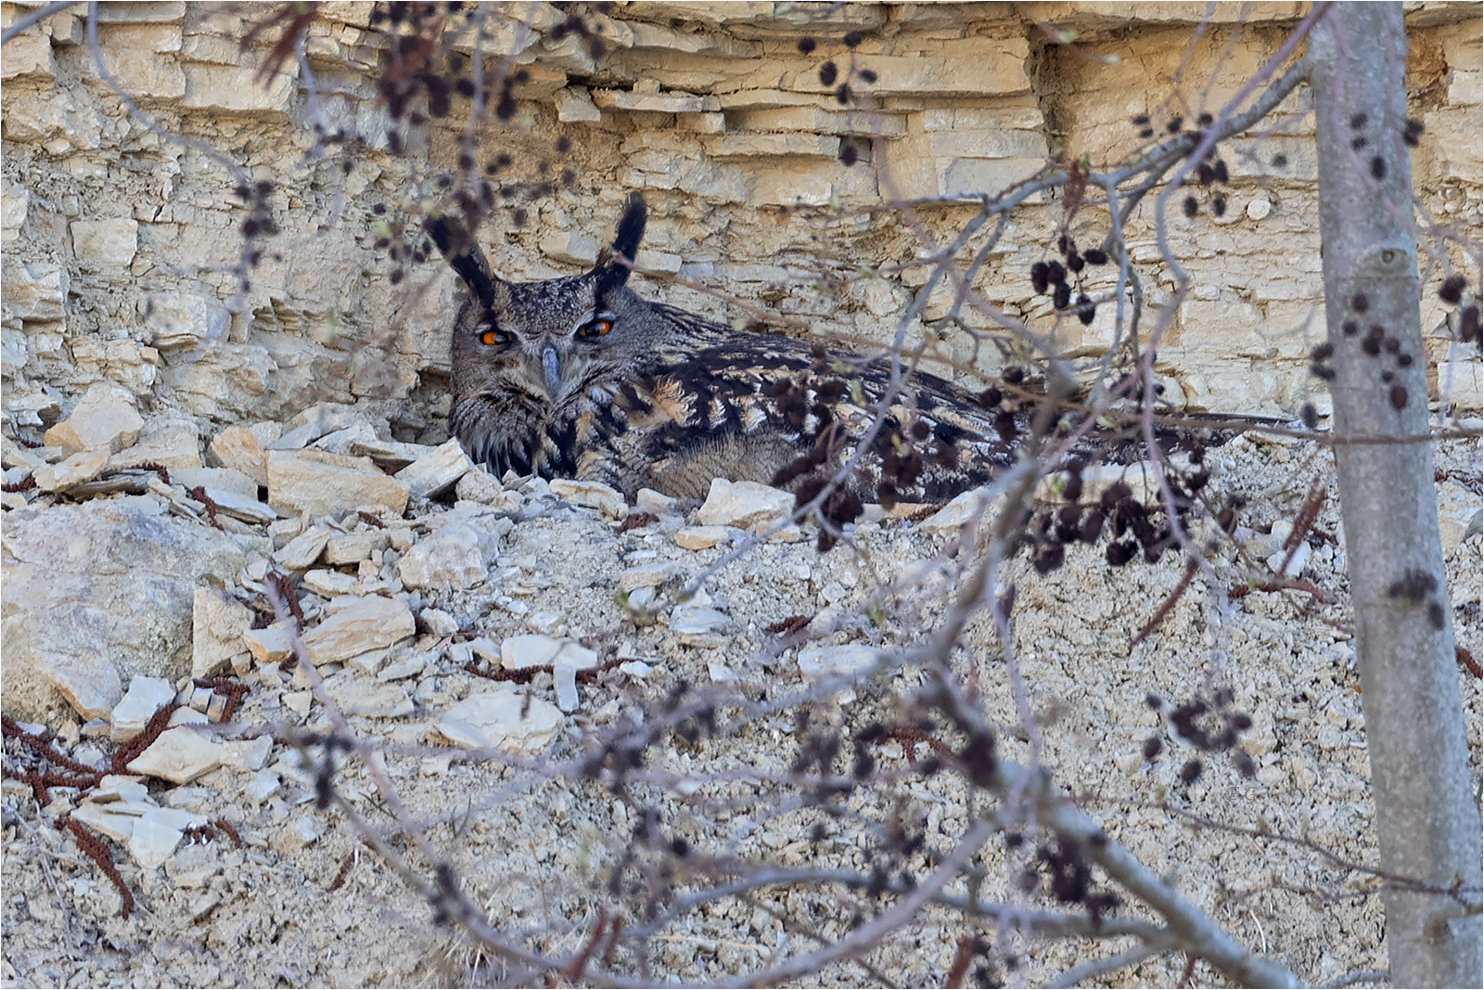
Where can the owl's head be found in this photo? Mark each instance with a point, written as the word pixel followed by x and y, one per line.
pixel 529 356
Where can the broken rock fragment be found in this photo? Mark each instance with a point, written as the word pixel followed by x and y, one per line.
pixel 146 696
pixel 303 550
pixel 241 449
pixel 104 419
pixel 502 719
pixel 75 470
pixel 101 589
pixel 180 755
pixel 435 473
pixel 373 623
pixel 745 504
pixel 314 482
pixel 592 495
pixel 218 623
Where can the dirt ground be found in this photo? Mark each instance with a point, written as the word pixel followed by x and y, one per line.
pixel 536 843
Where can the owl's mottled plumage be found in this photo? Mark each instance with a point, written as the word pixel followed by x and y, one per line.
pixel 581 377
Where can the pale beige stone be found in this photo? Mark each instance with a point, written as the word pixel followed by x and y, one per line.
pixel 104 418
pixel 284 530
pixel 976 176
pixel 351 441
pixel 575 106
pixel 239 449
pixel 224 481
pixel 187 716
pixel 304 832
pixel 501 720
pixel 226 88
pixel 948 520
pixel 34 290
pixel 314 482
pixel 330 417
pixel 170 443
pixel 744 503
pixel 238 506
pixel 179 755
pixel 329 584
pixel 371 623
pixel 530 650
pixel 1001 71
pixel 434 473
pixel 270 645
pixel 355 694
pixel 183 319
pixel 28 54
pixel 146 696
pixel 654 101
pixel 1459 514
pixel 391 454
pixel 593 495
pixel 100 588
pixel 249 754
pixel 443 562
pixel 647 575
pixel 701 537
pixel 152 12
pixel 571 246
pixel 572 658
pixel 116 787
pixel 823 661
pixel 478 486
pixel 356 546
pixel 74 471
pixel 107 242
pixel 649 500
pixel 156 834
pixel 132 54
pixel 106 819
pixel 438 622
pixel 694 619
pixel 217 625
pixel 815 120
pixel 15 202
pixel 770 145
pixel 303 550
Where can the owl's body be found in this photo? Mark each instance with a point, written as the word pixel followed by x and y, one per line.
pixel 582 378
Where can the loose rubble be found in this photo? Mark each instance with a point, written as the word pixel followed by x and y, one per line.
pixel 406 613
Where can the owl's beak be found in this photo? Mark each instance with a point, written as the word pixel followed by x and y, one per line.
pixel 551 370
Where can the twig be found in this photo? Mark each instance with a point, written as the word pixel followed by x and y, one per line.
pixel 1102 967
pixel 865 937
pixel 1358 976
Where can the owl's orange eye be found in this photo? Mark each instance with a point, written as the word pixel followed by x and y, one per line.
pixel 597 328
pixel 493 338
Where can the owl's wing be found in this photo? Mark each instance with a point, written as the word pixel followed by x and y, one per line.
pixel 765 408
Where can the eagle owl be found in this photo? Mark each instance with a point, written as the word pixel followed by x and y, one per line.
pixel 581 377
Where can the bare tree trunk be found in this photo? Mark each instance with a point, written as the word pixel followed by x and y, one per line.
pixel 1425 815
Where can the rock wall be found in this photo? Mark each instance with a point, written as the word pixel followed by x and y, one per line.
pixel 119 243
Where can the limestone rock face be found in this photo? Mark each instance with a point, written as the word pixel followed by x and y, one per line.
pixel 101 589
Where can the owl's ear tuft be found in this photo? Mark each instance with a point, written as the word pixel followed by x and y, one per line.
pixel 631 228
pixel 463 254
pixel 613 264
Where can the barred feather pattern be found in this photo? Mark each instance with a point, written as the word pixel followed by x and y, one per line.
pixel 581 377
